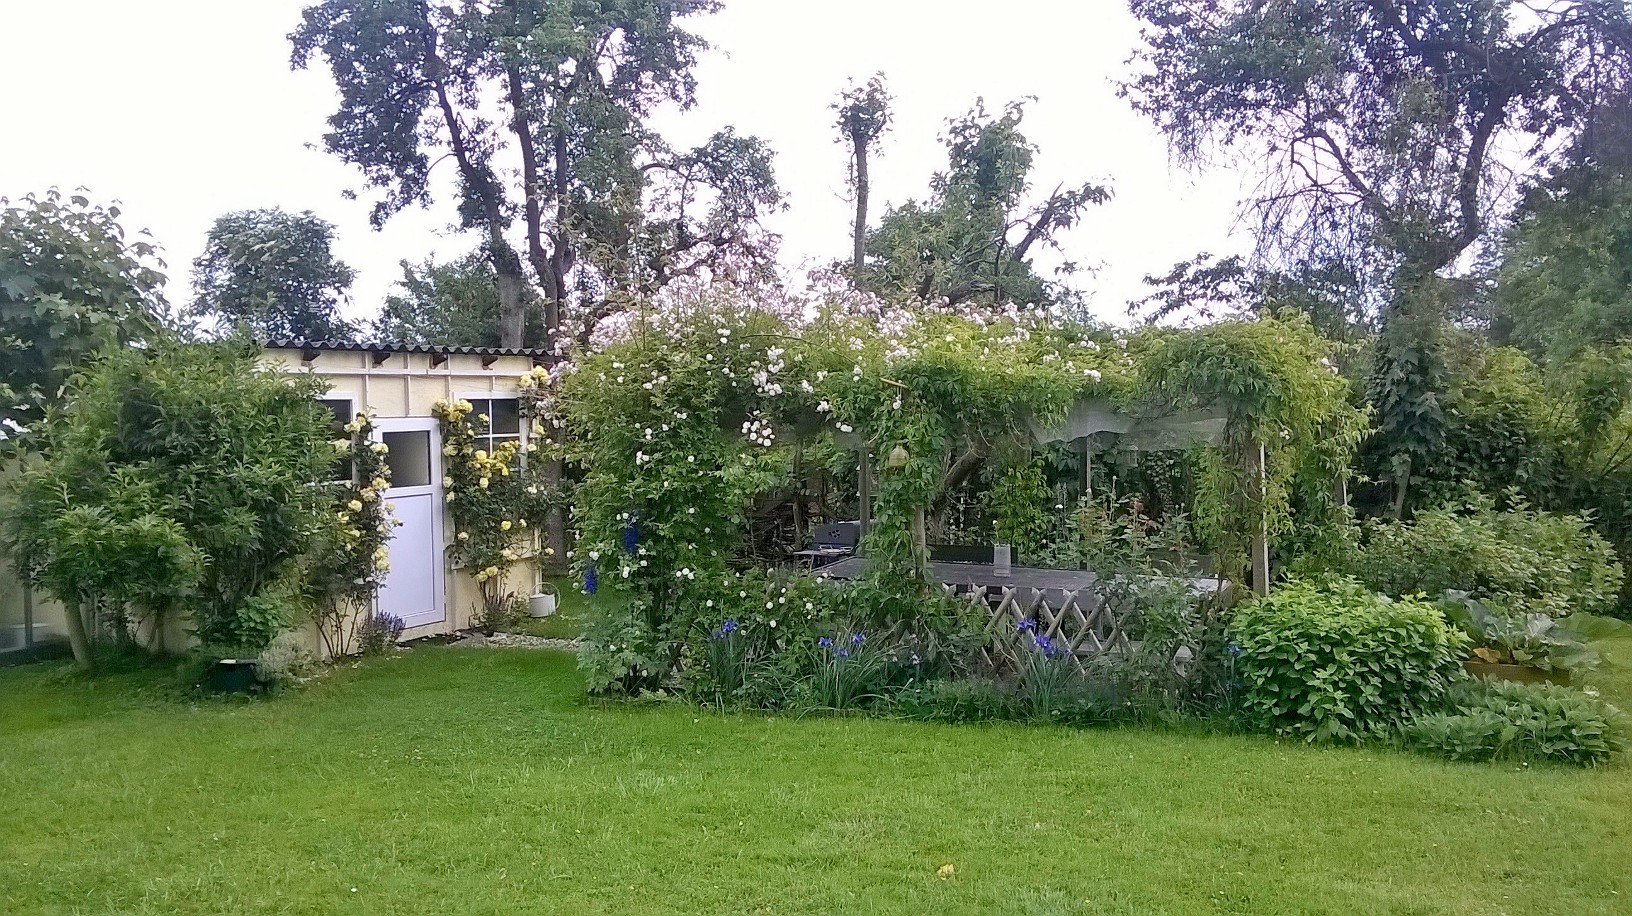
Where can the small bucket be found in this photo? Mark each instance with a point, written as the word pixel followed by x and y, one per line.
pixel 543 603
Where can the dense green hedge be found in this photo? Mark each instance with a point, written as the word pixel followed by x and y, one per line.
pixel 1524 560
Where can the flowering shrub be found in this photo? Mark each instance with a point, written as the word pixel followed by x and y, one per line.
pixel 379 633
pixel 496 499
pixel 349 557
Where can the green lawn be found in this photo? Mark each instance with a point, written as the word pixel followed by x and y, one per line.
pixel 446 781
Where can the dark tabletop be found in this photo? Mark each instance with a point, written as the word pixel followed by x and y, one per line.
pixel 982 574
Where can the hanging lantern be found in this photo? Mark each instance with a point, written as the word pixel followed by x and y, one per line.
pixel 898 457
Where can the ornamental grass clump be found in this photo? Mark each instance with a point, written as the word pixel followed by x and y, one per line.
pixel 1338 662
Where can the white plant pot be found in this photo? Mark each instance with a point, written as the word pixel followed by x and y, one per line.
pixel 1002 555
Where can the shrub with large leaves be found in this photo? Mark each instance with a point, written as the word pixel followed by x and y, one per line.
pixel 1542 562
pixel 179 479
pixel 1501 720
pixel 1338 662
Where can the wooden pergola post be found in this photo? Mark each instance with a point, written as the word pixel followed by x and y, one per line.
pixel 864 488
pixel 1256 460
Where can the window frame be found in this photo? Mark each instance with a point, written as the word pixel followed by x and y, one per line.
pixel 489 440
pixel 351 402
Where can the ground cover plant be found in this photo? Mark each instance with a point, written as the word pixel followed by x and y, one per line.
pixel 480 781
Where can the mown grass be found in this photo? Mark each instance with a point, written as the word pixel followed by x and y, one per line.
pixel 456 781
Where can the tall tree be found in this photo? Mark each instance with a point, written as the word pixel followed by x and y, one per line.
pixel 606 210
pixel 975 237
pixel 72 285
pixel 863 116
pixel 274 274
pixel 454 303
pixel 1377 123
pixel 1564 283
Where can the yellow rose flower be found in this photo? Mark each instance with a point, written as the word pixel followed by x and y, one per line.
pixel 504 525
pixel 481 483
pixel 355 506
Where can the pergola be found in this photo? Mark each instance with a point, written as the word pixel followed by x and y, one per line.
pixel 1096 423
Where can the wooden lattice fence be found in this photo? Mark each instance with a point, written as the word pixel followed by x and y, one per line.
pixel 1078 621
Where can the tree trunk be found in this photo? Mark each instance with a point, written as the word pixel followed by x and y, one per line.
pixel 512 298
pixel 78 640
pixel 862 190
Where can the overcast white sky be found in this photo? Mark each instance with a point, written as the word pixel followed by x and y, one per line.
pixel 185 109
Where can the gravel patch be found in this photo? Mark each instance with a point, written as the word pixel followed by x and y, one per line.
pixel 518 641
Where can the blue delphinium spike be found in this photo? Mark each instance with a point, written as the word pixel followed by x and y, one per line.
pixel 591 580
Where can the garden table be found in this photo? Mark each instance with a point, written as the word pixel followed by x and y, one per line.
pixel 982 575
pixel 1044 580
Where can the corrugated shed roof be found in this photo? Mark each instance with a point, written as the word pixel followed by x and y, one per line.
pixel 389 346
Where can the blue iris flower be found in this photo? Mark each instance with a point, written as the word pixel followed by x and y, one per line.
pixel 825 642
pixel 726 629
pixel 858 639
pixel 843 653
pixel 1026 626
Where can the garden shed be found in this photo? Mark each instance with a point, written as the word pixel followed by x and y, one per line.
pixel 398 384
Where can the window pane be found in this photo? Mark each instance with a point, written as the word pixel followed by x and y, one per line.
pixel 409 457
pixel 506 414
pixel 340 408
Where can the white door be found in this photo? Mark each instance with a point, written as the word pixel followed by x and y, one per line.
pixel 412 589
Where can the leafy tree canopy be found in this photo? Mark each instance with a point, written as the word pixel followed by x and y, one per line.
pixel 1205 288
pixel 1379 118
pixel 71 286
pixel 274 274
pixel 606 210
pixel 974 237
pixel 1565 278
pixel 454 303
